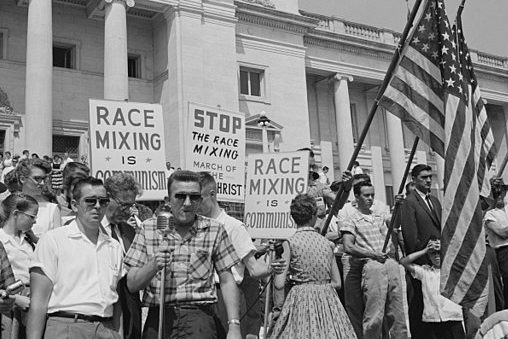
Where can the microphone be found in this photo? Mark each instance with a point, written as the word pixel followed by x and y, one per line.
pixel 163 221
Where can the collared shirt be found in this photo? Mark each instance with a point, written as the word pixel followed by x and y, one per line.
pixel 495 222
pixel 84 275
pixel 48 217
pixel 424 197
pixel 369 230
pixel 189 278
pixel 20 254
pixel 241 241
pixel 436 308
pixel 107 226
pixel 6 274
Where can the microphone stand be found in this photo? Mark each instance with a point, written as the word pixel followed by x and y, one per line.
pixel 162 298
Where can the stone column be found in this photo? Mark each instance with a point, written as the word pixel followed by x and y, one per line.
pixel 39 78
pixel 397 154
pixel 343 119
pixel 377 175
pixel 116 82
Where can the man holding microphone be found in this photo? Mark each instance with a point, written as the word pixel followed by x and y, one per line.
pixel 196 247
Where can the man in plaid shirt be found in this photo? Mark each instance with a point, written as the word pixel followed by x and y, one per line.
pixel 191 253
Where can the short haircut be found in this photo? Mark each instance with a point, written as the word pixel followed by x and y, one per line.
pixel 12 183
pixel 311 152
pixel 26 151
pixel 16 201
pixel 76 190
pixel 325 168
pixel 207 180
pixel 356 163
pixel 357 189
pixel 122 182
pixel 420 168
pixel 361 176
pixel 7 152
pixel 303 208
pixel 183 176
pixel 24 168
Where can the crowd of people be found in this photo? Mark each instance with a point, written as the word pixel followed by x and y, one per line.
pixel 81 258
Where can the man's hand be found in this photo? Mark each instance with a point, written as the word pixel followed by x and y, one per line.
pixel 6 304
pixel 132 222
pixel 22 301
pixel 234 332
pixel 163 256
pixel 399 199
pixel 379 256
pixel 278 266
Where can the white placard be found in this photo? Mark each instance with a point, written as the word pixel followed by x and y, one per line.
pixel 273 180
pixel 215 142
pixel 128 137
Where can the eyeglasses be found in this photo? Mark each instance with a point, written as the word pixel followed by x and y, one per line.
pixel 92 201
pixel 33 216
pixel 123 204
pixel 39 180
pixel 194 197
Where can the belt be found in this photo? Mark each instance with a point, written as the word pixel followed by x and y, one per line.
pixel 207 308
pixel 76 316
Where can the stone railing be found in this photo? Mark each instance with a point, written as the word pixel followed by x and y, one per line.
pixel 386 36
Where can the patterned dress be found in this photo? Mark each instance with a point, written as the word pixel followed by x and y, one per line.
pixel 312 308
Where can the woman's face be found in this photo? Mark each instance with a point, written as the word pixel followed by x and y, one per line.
pixel 35 182
pixel 26 219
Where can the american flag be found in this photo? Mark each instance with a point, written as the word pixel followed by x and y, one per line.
pixel 435 92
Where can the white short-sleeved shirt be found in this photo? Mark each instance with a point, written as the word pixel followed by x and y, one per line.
pixel 436 308
pixel 84 275
pixel 48 218
pixel 241 240
pixel 495 221
pixel 20 254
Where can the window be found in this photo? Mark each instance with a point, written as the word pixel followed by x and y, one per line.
pixel 63 56
pixel 251 81
pixel 66 144
pixel 134 66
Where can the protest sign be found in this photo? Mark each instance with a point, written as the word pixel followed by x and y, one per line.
pixel 128 137
pixel 215 142
pixel 273 180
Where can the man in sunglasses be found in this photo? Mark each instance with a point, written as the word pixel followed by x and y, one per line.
pixel 190 251
pixel 75 273
pixel 120 221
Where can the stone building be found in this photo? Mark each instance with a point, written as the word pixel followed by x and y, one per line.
pixel 315 76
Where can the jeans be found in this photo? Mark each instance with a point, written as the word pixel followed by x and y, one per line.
pixel 383 295
pixel 353 295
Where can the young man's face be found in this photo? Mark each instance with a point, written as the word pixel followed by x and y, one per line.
pixel 366 197
pixel 435 258
pixel 423 181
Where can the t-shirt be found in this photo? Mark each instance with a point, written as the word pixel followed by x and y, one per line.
pixel 436 308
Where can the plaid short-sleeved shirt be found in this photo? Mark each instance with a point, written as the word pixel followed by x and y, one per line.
pixel 369 230
pixel 189 277
pixel 6 274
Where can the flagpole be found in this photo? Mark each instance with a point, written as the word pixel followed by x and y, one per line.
pixel 461 8
pixel 339 197
pixel 395 213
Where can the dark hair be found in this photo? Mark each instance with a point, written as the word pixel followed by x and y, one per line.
pixel 357 189
pixel 15 201
pixel 25 151
pixel 311 152
pixel 183 176
pixel 361 176
pixel 8 152
pixel 356 163
pixel 206 179
pixel 24 168
pixel 12 183
pixel 73 172
pixel 420 168
pixel 35 155
pixel 303 208
pixel 78 185
pixel 122 182
pixel 325 168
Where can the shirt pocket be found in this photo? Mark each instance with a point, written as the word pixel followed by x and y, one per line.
pixel 200 265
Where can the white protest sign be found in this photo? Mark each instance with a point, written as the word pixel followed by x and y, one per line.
pixel 215 142
pixel 128 137
pixel 273 180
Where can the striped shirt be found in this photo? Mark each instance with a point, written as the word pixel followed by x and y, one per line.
pixel 369 230
pixel 189 277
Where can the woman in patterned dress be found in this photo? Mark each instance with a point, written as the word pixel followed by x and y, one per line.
pixel 312 308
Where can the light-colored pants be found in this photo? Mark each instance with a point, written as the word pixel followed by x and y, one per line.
pixel 383 295
pixel 353 296
pixel 68 328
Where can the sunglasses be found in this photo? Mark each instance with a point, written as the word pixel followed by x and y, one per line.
pixel 92 201
pixel 33 216
pixel 194 198
pixel 124 205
